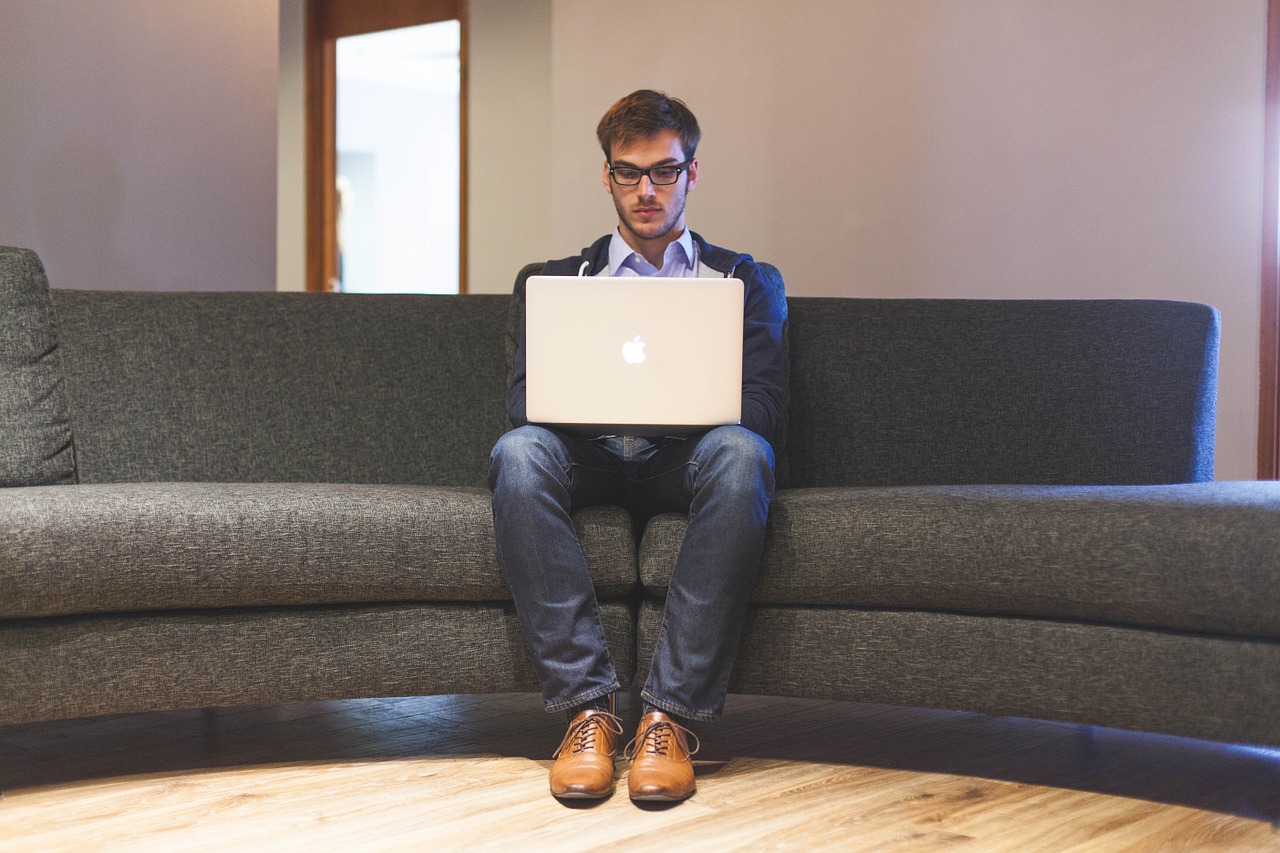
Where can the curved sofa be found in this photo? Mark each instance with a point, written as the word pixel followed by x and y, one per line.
pixel 212 499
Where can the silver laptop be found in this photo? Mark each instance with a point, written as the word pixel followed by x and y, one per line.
pixel 633 356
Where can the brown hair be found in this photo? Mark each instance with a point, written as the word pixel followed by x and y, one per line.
pixel 643 114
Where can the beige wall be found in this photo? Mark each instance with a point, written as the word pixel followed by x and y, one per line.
pixel 291 140
pixel 510 134
pixel 137 139
pixel 971 148
pixel 955 148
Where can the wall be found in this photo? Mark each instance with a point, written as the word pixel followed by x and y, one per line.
pixel 973 148
pixel 967 148
pixel 510 137
pixel 291 141
pixel 138 141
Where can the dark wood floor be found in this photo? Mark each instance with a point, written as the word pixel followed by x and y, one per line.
pixel 469 772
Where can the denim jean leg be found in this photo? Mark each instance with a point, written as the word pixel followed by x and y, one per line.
pixel 729 481
pixel 533 476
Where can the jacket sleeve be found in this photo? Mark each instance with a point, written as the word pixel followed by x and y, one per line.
pixel 765 362
pixel 515 348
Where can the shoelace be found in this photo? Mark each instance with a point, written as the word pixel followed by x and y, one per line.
pixel 581 736
pixel 656 740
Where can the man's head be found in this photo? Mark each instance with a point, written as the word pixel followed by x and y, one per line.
pixel 646 113
pixel 649 142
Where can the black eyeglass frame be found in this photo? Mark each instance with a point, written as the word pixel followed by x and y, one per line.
pixel 647 173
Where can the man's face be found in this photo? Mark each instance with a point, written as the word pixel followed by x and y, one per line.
pixel 646 212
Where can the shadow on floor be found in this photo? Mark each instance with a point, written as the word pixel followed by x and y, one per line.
pixel 1215 777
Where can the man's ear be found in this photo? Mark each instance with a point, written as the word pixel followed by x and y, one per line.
pixel 608 184
pixel 693 174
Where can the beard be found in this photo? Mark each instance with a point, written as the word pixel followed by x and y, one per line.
pixel 650 228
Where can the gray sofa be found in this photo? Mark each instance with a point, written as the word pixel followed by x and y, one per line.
pixel 1004 507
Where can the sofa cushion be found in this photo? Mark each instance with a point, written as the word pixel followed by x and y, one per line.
pixel 36 449
pixel 114 548
pixel 283 387
pixel 1194 557
pixel 917 392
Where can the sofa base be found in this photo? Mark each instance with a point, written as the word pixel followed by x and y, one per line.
pixel 1200 686
pixel 79 666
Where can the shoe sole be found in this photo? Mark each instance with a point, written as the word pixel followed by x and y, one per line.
pixel 579 795
pixel 659 798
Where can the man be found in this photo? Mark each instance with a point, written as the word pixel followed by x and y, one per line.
pixel 723 478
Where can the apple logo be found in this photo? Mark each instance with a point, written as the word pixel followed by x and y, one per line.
pixel 633 351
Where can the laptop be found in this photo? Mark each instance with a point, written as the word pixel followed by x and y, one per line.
pixel 633 356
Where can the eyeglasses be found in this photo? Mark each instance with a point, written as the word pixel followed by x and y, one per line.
pixel 629 176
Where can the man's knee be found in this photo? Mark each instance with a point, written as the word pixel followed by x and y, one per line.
pixel 738 456
pixel 523 454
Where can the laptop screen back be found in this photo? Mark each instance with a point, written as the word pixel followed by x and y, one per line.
pixel 633 356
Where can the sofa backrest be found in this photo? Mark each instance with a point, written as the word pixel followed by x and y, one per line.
pixel 938 391
pixel 283 387
pixel 260 387
pixel 35 429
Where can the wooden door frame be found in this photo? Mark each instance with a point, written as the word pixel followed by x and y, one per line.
pixel 326 22
pixel 1269 351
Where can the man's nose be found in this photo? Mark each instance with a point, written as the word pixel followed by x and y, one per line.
pixel 645 187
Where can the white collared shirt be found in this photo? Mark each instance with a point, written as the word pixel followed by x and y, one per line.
pixel 679 261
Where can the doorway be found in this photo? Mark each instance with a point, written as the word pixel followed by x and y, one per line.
pixel 386 158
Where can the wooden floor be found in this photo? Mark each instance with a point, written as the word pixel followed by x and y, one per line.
pixel 463 772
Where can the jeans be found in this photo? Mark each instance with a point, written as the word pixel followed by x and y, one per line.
pixel 724 480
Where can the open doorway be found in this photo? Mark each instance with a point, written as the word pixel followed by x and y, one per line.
pixel 386 124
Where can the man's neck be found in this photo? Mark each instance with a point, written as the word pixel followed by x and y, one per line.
pixel 654 251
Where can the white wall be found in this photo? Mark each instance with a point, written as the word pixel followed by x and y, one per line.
pixel 510 137
pixel 138 141
pixel 966 148
pixel 973 148
pixel 291 141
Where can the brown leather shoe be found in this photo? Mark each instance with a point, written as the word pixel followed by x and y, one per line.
pixel 584 761
pixel 661 769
